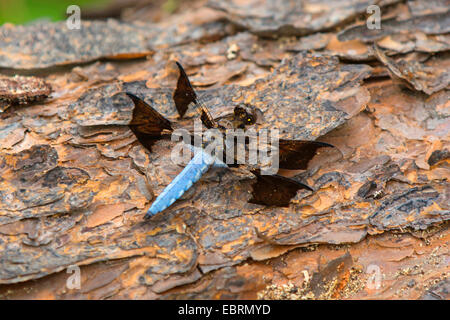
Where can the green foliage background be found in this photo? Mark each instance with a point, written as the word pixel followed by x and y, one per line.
pixel 22 11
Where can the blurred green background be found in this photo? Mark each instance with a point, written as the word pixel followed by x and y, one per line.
pixel 22 11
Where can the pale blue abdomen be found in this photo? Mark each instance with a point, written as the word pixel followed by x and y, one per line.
pixel 198 165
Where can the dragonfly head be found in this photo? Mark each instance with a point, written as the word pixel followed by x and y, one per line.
pixel 247 115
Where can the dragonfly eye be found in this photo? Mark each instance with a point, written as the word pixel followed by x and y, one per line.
pixel 240 112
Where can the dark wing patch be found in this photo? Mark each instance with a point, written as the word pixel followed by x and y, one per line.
pixel 206 118
pixel 275 190
pixel 296 154
pixel 147 123
pixel 184 93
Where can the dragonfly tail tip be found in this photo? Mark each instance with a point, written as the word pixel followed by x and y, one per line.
pixel 148 215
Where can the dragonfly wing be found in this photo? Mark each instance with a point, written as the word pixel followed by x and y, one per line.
pixel 274 190
pixel 147 124
pixel 296 154
pixel 184 95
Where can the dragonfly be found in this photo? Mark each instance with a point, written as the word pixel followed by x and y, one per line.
pixel 149 126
